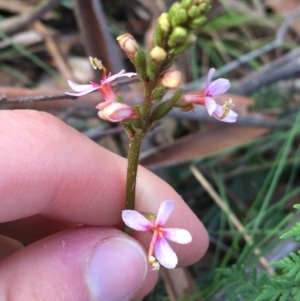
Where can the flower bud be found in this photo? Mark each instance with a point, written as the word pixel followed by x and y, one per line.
pixel 116 112
pixel 199 21
pixel 203 7
pixel 128 44
pixel 186 3
pixel 177 36
pixel 188 41
pixel 158 54
pixel 194 12
pixel 180 17
pixel 171 79
pixel 173 10
pixel 164 23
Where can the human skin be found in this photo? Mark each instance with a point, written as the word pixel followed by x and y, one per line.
pixel 62 194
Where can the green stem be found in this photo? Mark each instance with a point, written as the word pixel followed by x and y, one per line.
pixel 135 147
pixel 133 161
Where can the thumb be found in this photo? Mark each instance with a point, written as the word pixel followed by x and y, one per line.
pixel 80 264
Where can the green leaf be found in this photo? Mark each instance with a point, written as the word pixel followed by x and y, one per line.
pixel 294 232
pixel 164 108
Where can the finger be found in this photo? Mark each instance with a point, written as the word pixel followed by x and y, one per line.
pixel 62 174
pixel 85 263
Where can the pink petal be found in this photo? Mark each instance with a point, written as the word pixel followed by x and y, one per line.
pixel 136 221
pixel 78 88
pixel 210 105
pixel 88 89
pixel 164 254
pixel 82 93
pixel 164 211
pixel 208 79
pixel 115 112
pixel 218 87
pixel 230 118
pixel 120 74
pixel 180 236
pixel 102 105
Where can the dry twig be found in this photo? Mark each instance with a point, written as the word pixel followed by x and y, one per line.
pixel 17 23
pixel 255 53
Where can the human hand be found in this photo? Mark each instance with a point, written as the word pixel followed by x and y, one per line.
pixel 63 195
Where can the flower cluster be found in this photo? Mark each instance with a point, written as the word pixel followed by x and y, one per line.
pixel 159 246
pixel 113 110
pixel 110 109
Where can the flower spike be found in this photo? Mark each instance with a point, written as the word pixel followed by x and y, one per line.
pixel 159 246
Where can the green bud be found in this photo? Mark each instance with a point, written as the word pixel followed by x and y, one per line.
pixel 198 22
pixel 173 10
pixel 177 36
pixel 156 57
pixel 164 108
pixel 186 3
pixel 194 12
pixel 180 17
pixel 189 40
pixel 203 7
pixel 141 64
pixel 162 30
pixel 164 23
pixel 158 54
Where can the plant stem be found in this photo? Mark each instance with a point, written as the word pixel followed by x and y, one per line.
pixel 135 146
pixel 133 161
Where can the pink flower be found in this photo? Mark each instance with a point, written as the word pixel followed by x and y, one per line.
pixel 109 109
pixel 217 87
pixel 116 112
pixel 159 245
pixel 104 87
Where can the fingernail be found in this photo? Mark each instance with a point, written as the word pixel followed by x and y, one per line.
pixel 116 268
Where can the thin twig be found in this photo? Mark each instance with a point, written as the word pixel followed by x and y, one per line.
pixel 15 24
pixel 266 48
pixel 285 67
pixel 5 100
pixel 252 54
pixel 210 190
